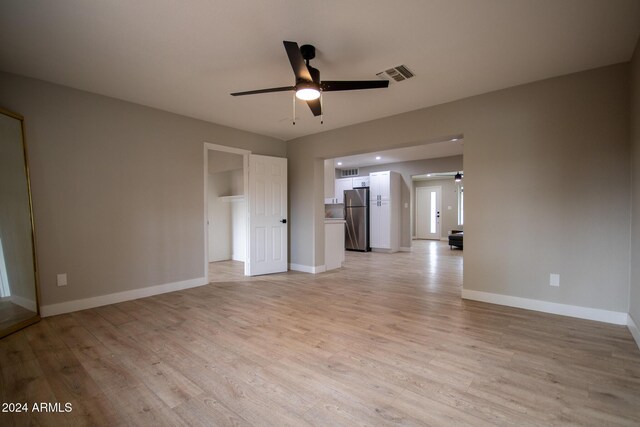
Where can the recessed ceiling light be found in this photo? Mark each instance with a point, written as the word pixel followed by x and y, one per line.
pixel 378 157
pixel 339 163
pixel 428 174
pixel 454 139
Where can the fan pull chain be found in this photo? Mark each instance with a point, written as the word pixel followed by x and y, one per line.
pixel 294 108
pixel 321 109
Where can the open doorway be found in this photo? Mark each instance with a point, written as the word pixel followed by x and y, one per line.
pixel 426 165
pixel 439 206
pixel 226 171
pixel 357 171
pixel 245 212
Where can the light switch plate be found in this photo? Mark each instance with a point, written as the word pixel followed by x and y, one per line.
pixel 62 279
pixel 554 280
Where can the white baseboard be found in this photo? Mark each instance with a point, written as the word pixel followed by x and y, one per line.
pixel 405 249
pixel 307 268
pixel 383 251
pixel 24 303
pixel 83 304
pixel 607 316
pixel 633 328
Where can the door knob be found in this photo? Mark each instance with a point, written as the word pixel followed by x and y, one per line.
pixel 284 221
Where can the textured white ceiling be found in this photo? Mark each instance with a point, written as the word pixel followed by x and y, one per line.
pixel 418 152
pixel 187 56
pixel 436 176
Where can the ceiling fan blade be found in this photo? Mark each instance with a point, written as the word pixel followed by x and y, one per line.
pixel 297 61
pixel 273 89
pixel 336 85
pixel 315 106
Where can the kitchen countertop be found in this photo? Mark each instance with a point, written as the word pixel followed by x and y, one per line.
pixel 334 221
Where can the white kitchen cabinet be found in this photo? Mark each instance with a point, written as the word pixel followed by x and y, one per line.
pixel 341 185
pixel 360 181
pixel 384 210
pixel 380 230
pixel 333 244
pixel 380 184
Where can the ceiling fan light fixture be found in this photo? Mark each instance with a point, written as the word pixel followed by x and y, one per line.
pixel 307 94
pixel 307 91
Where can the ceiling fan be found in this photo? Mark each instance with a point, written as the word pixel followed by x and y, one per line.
pixel 308 86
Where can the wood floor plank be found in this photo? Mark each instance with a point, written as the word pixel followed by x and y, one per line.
pixel 205 411
pixel 25 382
pixel 15 349
pixel 386 340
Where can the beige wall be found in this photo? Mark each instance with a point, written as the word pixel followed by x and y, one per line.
pixel 448 217
pixel 220 161
pixel 219 212
pixel 222 231
pixel 563 143
pixel 117 188
pixel 634 299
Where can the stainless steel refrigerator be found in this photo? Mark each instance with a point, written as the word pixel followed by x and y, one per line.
pixel 356 213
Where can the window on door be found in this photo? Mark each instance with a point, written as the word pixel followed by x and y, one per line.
pixel 460 205
pixel 432 214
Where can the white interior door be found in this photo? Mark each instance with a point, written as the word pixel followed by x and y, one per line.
pixel 267 215
pixel 428 208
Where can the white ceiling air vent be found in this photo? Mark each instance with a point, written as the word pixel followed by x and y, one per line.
pixel 399 73
pixel 349 172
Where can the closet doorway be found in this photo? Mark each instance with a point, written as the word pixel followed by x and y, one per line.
pixel 226 173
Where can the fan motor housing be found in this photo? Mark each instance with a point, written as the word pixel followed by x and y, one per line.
pixel 308 51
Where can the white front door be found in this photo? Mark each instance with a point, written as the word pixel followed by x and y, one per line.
pixel 267 215
pixel 428 208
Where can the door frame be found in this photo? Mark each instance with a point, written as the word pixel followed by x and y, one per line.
pixel 438 209
pixel 245 171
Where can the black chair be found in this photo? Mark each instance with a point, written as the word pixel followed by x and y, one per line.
pixel 455 238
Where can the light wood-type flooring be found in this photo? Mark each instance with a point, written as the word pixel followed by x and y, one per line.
pixel 385 341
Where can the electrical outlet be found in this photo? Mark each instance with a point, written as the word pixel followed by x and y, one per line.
pixel 62 279
pixel 554 280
